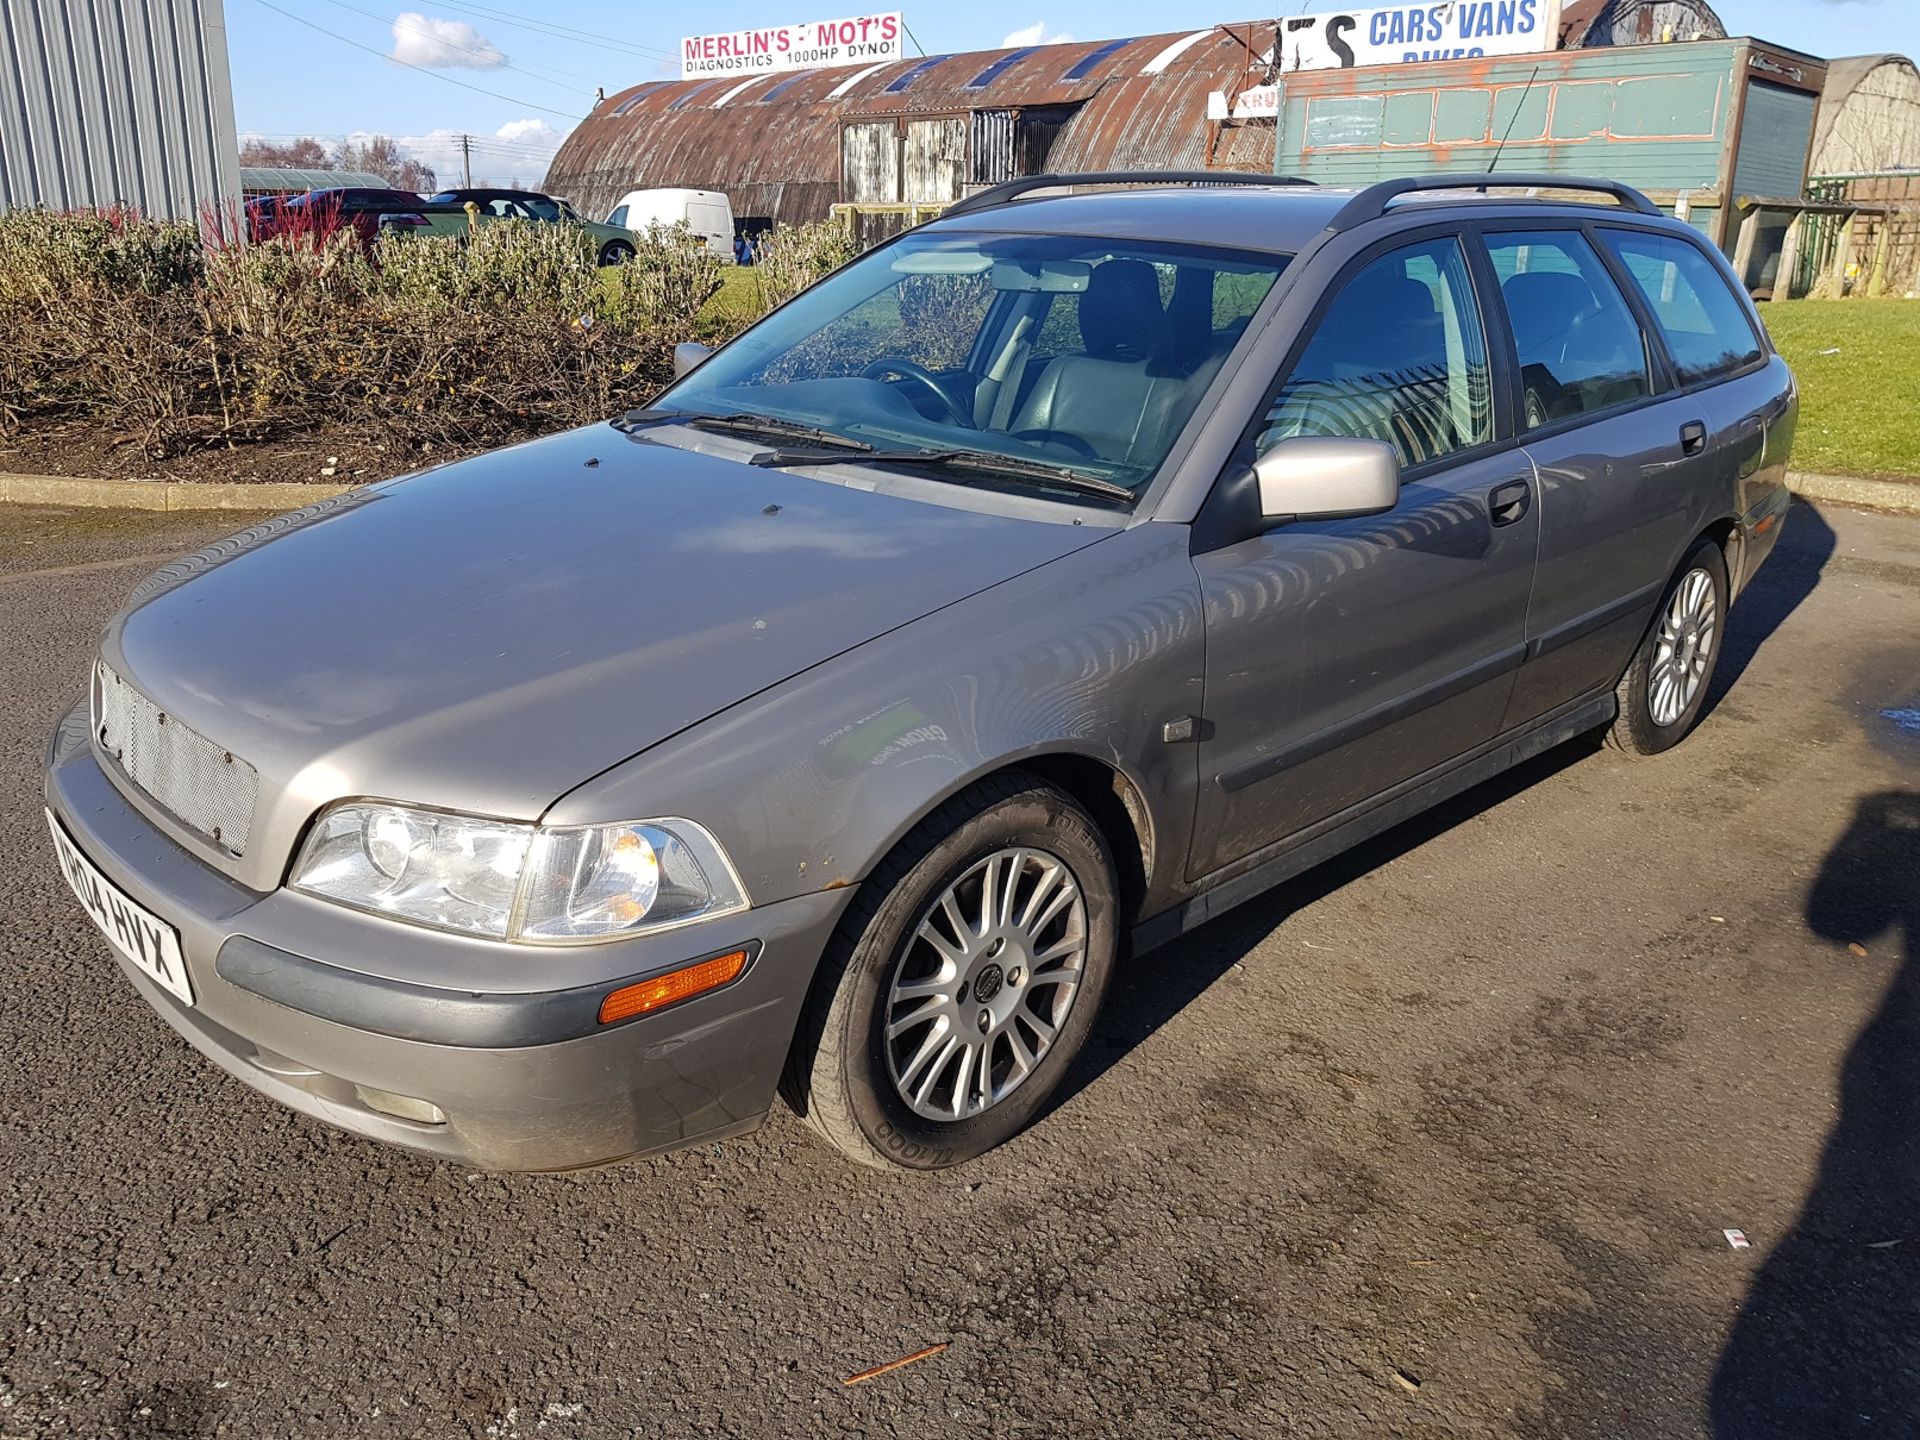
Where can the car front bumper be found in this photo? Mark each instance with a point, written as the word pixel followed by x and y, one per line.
pixel 314 1006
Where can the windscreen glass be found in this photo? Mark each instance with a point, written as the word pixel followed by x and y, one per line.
pixel 1085 354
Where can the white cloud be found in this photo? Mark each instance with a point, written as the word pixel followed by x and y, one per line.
pixel 518 152
pixel 1034 34
pixel 442 44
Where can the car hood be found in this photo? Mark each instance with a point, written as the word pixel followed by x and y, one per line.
pixel 491 634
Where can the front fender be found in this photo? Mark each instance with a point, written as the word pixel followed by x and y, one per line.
pixel 810 783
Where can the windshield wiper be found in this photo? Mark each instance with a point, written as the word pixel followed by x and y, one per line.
pixel 986 461
pixel 742 422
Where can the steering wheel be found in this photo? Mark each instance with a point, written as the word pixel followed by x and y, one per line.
pixel 959 407
pixel 1065 439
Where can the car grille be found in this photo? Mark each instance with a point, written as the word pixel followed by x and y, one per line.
pixel 208 789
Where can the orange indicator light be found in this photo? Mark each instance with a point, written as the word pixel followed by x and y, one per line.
pixel 668 989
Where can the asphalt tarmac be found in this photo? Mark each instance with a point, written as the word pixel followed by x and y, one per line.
pixel 1439 1140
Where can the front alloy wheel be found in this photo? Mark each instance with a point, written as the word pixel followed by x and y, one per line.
pixel 985 982
pixel 962 981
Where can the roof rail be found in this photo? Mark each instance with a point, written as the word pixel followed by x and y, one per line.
pixel 1374 201
pixel 1012 190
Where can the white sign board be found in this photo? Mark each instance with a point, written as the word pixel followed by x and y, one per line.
pixel 1403 34
pixel 810 45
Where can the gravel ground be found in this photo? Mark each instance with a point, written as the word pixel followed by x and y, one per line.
pixel 1439 1140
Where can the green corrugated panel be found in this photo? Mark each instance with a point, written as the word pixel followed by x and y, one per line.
pixel 1773 142
pixel 1652 115
pixel 1410 119
pixel 1462 115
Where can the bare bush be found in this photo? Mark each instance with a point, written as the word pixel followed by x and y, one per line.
pixel 508 331
pixel 789 258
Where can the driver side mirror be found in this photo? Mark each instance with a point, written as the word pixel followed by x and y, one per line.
pixel 1326 477
pixel 687 355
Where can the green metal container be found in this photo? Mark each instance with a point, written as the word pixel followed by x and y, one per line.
pixel 1698 126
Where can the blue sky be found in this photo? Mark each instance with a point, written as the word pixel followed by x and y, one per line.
pixel 543 58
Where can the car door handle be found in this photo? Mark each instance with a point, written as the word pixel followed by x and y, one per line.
pixel 1509 502
pixel 1693 438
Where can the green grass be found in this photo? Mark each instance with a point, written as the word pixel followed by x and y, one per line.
pixel 1860 405
pixel 736 303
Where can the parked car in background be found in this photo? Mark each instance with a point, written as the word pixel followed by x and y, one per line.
pixel 1045 582
pixel 259 212
pixel 367 212
pixel 708 213
pixel 616 243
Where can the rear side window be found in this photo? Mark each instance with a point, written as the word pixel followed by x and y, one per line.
pixel 1580 347
pixel 1400 356
pixel 1705 325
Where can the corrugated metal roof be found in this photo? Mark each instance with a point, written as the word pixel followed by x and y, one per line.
pixel 117 103
pixel 775 149
pixel 283 180
pixel 1591 23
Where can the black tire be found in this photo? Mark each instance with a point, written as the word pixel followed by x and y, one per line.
pixel 838 1076
pixel 616 252
pixel 1636 730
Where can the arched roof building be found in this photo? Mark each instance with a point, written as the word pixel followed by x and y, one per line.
pixel 1869 117
pixel 1588 23
pixel 929 129
pixel 787 146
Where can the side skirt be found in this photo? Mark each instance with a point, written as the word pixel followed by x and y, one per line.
pixel 1237 884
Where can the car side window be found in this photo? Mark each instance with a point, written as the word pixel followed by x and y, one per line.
pixel 1400 356
pixel 618 219
pixel 1705 325
pixel 1581 349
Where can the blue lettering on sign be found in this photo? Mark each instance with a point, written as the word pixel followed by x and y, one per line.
pixel 1429 25
pixel 1479 19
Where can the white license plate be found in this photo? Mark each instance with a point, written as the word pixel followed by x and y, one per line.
pixel 136 932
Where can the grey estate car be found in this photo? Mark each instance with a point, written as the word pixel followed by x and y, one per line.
pixel 1034 588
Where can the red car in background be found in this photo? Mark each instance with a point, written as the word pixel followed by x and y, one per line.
pixel 319 213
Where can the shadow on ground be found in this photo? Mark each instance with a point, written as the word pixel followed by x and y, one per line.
pixel 1828 1341
pixel 1788 577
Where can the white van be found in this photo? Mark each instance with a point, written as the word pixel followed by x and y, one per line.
pixel 708 213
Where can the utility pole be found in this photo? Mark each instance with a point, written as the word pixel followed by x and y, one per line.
pixel 466 159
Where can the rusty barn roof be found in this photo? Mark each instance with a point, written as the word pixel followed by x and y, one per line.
pixel 772 142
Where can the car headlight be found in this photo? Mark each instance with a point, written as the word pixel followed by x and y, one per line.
pixel 510 881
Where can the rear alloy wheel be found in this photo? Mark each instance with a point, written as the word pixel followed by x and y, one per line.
pixel 963 980
pixel 1665 687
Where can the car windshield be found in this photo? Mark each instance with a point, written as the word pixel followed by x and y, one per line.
pixel 1083 354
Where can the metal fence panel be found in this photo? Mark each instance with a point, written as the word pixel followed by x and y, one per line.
pixel 117 102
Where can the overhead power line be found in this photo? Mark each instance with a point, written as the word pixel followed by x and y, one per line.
pixel 492 142
pixel 381 54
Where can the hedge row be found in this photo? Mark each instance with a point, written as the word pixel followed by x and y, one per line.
pixel 512 331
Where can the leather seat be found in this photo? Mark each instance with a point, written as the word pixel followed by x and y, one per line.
pixel 1108 396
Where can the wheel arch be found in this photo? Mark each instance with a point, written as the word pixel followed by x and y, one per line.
pixel 1731 536
pixel 1113 798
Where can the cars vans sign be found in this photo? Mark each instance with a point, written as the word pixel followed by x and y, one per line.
pixel 1402 34
pixel 810 45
